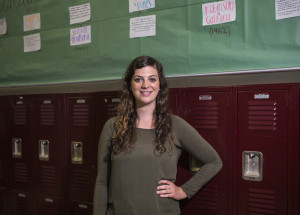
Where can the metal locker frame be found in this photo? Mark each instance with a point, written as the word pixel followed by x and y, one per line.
pixel 296 150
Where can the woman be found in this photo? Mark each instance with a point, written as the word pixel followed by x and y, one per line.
pixel 139 149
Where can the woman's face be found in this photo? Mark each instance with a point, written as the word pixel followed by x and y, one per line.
pixel 145 86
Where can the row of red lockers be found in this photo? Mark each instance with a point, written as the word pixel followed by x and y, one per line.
pixel 48 149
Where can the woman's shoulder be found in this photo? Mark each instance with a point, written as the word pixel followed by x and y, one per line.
pixel 109 123
pixel 177 119
pixel 179 124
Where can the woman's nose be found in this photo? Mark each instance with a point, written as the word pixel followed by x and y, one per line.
pixel 145 84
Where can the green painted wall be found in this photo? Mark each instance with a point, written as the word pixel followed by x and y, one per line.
pixel 185 47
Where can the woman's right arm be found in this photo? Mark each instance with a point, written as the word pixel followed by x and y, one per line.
pixel 103 170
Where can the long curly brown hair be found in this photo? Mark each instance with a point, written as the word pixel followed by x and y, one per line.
pixel 123 137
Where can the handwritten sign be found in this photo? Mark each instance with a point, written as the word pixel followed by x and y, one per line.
pixel 218 12
pixel 3 26
pixel 143 26
pixel 32 22
pixel 287 8
pixel 137 5
pixel 80 35
pixel 80 13
pixel 32 42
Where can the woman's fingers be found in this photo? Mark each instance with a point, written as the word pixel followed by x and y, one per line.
pixel 169 189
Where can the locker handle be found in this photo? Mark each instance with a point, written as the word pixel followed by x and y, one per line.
pixel 44 150
pixel 17 147
pixel 77 152
pixel 252 166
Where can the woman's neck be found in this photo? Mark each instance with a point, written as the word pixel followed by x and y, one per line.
pixel 145 117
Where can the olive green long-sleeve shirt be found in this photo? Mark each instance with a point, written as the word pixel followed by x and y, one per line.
pixel 126 183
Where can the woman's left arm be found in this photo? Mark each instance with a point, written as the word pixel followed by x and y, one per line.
pixel 196 145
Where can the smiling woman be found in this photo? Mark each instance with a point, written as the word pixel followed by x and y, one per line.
pixel 139 149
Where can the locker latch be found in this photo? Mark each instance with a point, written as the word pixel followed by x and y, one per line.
pixel 76 152
pixel 252 166
pixel 17 147
pixel 44 150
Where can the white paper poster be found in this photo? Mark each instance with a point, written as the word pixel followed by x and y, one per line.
pixel 80 13
pixel 32 42
pixel 3 26
pixel 137 5
pixel 218 12
pixel 32 22
pixel 143 26
pixel 79 36
pixel 287 8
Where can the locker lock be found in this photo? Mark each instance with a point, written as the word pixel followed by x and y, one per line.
pixel 252 166
pixel 17 147
pixel 44 150
pixel 77 152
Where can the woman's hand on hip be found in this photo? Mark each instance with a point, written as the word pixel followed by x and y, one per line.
pixel 168 189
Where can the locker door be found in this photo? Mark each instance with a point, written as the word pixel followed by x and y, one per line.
pixel 21 150
pixel 82 132
pixel 109 102
pixel 262 140
pixel 4 149
pixel 4 201
pixel 49 142
pixel 174 96
pixel 22 203
pixel 207 111
pixel 48 205
pixel 296 144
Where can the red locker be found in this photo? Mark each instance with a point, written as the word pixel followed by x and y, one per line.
pixel 207 110
pixel 82 140
pixel 22 203
pixel 4 201
pixel 20 144
pixel 50 205
pixel 263 126
pixel 174 101
pixel 4 148
pixel 109 102
pixel 296 150
pixel 49 141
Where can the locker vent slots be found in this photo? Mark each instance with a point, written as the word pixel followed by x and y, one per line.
pixel 262 115
pixel 207 199
pixel 81 115
pixel 261 201
pixel 19 112
pixel 47 115
pixel 82 180
pixel 206 115
pixel 21 172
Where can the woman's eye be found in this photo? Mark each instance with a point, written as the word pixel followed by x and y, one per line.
pixel 152 79
pixel 137 79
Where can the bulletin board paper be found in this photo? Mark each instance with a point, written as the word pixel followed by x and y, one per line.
pixel 3 26
pixel 143 26
pixel 32 22
pixel 218 12
pixel 80 13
